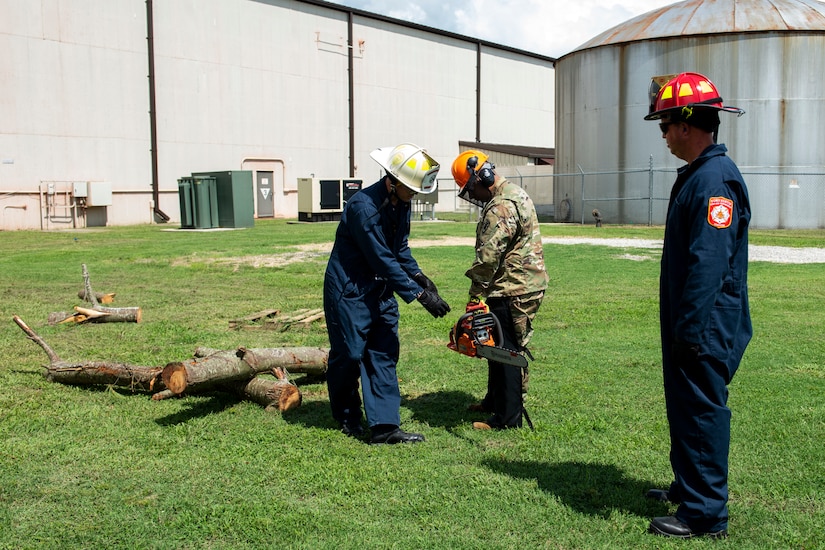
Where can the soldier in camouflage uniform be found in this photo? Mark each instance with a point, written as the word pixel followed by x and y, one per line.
pixel 508 274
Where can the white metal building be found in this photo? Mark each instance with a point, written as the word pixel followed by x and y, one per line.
pixel 105 104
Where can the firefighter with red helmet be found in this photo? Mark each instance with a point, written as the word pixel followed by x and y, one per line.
pixel 704 314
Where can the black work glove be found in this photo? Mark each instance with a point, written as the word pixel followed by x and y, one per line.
pixel 425 282
pixel 433 303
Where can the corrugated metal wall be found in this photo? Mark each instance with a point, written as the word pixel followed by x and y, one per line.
pixel 260 85
pixel 775 76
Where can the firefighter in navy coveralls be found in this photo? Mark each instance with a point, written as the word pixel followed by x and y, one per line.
pixel 370 263
pixel 704 316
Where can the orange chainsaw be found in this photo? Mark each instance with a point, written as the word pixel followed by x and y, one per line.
pixel 476 333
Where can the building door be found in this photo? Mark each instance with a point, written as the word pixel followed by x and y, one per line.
pixel 266 206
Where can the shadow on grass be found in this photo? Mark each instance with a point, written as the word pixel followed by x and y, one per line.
pixel 205 405
pixel 312 414
pixel 446 409
pixel 439 409
pixel 593 489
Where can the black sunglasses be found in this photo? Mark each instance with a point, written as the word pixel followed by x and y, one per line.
pixel 663 126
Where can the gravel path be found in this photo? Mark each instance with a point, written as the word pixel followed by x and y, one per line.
pixel 320 251
pixel 756 253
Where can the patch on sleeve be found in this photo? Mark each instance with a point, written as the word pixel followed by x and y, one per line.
pixel 720 212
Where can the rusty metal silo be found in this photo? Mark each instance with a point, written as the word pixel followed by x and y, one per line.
pixel 765 56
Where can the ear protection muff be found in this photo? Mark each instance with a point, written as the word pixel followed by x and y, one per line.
pixel 484 174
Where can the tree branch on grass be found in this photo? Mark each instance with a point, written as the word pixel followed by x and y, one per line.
pixel 97 313
pixel 232 370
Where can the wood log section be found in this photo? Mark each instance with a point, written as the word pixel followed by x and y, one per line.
pixel 92 373
pixel 108 298
pixel 99 314
pixel 298 360
pixel 163 394
pixel 219 367
pixel 273 394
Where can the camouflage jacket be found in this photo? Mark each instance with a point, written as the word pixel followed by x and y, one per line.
pixel 509 257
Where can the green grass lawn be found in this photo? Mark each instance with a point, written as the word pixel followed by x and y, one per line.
pixel 102 467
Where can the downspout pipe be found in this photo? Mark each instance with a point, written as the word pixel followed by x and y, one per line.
pixel 160 215
pixel 478 92
pixel 351 94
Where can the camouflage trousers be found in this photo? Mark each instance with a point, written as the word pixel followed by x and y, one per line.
pixel 523 309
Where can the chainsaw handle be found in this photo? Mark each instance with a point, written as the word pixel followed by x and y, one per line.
pixel 473 307
pixel 499 330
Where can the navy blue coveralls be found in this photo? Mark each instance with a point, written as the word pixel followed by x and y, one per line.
pixel 705 327
pixel 370 262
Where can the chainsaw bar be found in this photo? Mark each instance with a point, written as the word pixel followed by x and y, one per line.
pixel 502 355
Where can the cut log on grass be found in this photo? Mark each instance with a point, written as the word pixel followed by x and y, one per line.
pixel 305 360
pixel 112 314
pixel 101 298
pixel 294 360
pixel 213 367
pixel 92 373
pixel 201 373
pixel 99 314
pixel 164 394
pixel 274 395
pixel 277 395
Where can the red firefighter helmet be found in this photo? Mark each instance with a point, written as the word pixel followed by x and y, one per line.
pixel 681 94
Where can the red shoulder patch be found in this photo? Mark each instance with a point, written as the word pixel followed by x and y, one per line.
pixel 720 212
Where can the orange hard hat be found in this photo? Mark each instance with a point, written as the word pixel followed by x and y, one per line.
pixel 470 166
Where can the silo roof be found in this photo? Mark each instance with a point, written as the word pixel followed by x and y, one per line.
pixel 702 17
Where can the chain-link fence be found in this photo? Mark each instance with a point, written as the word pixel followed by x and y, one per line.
pixel 538 186
pixel 781 198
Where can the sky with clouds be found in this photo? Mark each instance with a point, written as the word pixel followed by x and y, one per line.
pixel 547 27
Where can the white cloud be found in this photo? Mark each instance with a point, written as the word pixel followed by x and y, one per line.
pixel 548 27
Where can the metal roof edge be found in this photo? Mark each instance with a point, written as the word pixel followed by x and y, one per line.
pixel 418 26
pixel 678 36
pixel 522 150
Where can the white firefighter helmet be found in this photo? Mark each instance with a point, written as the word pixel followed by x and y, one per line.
pixel 410 165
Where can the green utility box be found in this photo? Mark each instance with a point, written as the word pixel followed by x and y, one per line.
pixel 235 197
pixel 198 202
pixel 187 217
